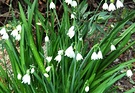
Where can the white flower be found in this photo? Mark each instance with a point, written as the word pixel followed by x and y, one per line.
pixel 46 75
pixel 32 70
pixel 39 23
pixel 68 1
pixel 94 56
pixel 19 76
pixel 46 39
pixel 129 73
pixel 5 36
pixel 60 52
pixel 18 37
pixel 71 32
pixel 79 57
pixel 72 16
pixel 111 7
pixel 113 47
pixel 58 58
pixel 48 68
pixel 26 79
pixel 100 56
pixel 52 5
pixel 87 89
pixel 80 39
pixel 3 31
pixel 19 28
pixel 119 4
pixel 14 33
pixel 73 3
pixel 69 52
pixel 105 6
pixel 49 59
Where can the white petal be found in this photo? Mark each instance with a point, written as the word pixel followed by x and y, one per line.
pixel 100 56
pixel 105 6
pixel 113 47
pixel 74 4
pixel 129 73
pixel 119 4
pixel 87 89
pixel 111 7
pixel 46 39
pixel 58 58
pixel 69 52
pixel 48 68
pixel 49 59
pixel 94 56
pixel 52 5
pixel 79 57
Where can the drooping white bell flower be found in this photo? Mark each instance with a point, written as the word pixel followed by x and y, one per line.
pixel 32 70
pixel 119 4
pixel 3 31
pixel 72 16
pixel 100 56
pixel 5 36
pixel 68 1
pixel 58 58
pixel 46 75
pixel 52 5
pixel 113 47
pixel 69 52
pixel 79 57
pixel 49 59
pixel 19 76
pixel 94 56
pixel 48 68
pixel 46 39
pixel 60 52
pixel 26 79
pixel 71 32
pixel 18 37
pixel 14 33
pixel 87 89
pixel 111 7
pixel 74 4
pixel 19 28
pixel 129 73
pixel 105 6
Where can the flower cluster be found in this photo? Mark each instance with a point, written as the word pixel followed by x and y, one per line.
pixel 4 33
pixel 26 78
pixel 16 32
pixel 73 3
pixel 112 7
pixel 96 56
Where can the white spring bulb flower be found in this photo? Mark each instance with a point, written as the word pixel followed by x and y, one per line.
pixel 87 89
pixel 32 70
pixel 119 4
pixel 18 37
pixel 48 68
pixel 52 5
pixel 58 58
pixel 3 31
pixel 71 32
pixel 79 57
pixel 111 7
pixel 94 56
pixel 19 28
pixel 68 1
pixel 74 4
pixel 72 16
pixel 105 6
pixel 49 59
pixel 100 56
pixel 129 73
pixel 14 33
pixel 19 76
pixel 5 36
pixel 69 52
pixel 113 47
pixel 60 52
pixel 46 75
pixel 26 79
pixel 47 39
